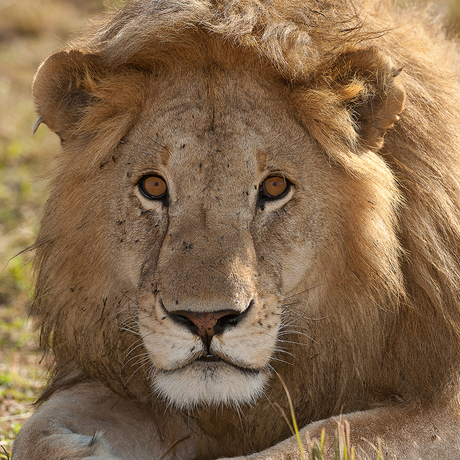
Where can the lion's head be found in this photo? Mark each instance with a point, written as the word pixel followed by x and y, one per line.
pixel 234 199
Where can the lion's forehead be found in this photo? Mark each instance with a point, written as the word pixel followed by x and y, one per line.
pixel 220 123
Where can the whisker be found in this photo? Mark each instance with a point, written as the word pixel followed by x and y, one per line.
pixel 143 355
pixel 293 342
pixel 135 302
pixel 303 334
pixel 280 360
pixel 141 361
pixel 304 291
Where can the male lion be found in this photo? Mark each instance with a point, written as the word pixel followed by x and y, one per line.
pixel 250 188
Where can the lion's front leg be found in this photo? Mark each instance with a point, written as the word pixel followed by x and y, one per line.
pixel 62 445
pixel 90 422
pixel 409 434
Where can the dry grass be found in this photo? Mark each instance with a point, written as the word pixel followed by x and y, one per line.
pixel 29 31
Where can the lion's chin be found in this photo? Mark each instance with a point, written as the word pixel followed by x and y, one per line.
pixel 210 384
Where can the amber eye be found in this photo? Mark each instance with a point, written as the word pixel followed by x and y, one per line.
pixel 274 187
pixel 153 187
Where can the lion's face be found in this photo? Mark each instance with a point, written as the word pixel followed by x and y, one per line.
pixel 205 212
pixel 211 254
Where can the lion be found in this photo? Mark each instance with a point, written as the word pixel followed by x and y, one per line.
pixel 250 194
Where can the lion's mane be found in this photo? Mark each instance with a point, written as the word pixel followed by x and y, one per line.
pixel 396 322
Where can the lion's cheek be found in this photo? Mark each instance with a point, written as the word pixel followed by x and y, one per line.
pixel 168 348
pixel 299 268
pixel 254 349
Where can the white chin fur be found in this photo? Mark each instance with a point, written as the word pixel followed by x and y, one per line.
pixel 209 384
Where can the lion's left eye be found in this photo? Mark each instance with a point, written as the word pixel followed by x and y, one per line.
pixel 274 187
pixel 153 187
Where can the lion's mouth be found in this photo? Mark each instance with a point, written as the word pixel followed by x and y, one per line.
pixel 210 380
pixel 210 358
pixel 214 360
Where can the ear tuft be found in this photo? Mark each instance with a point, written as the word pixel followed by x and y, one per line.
pixel 63 87
pixel 353 100
pixel 377 107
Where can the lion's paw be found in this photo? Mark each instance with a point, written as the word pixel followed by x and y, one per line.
pixel 69 446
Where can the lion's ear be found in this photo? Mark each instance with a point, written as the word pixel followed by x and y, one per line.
pixel 373 94
pixel 356 98
pixel 64 87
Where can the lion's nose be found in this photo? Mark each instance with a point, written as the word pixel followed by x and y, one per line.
pixel 207 324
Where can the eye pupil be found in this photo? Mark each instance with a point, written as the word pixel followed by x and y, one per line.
pixel 274 187
pixel 153 187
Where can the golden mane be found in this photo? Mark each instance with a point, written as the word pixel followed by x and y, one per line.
pixel 407 287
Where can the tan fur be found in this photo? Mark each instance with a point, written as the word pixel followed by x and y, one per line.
pixel 349 284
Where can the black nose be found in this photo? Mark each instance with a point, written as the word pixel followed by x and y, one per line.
pixel 208 324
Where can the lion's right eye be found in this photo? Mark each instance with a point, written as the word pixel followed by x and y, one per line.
pixel 274 187
pixel 153 187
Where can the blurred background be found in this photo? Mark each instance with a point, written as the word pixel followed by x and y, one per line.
pixel 29 32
